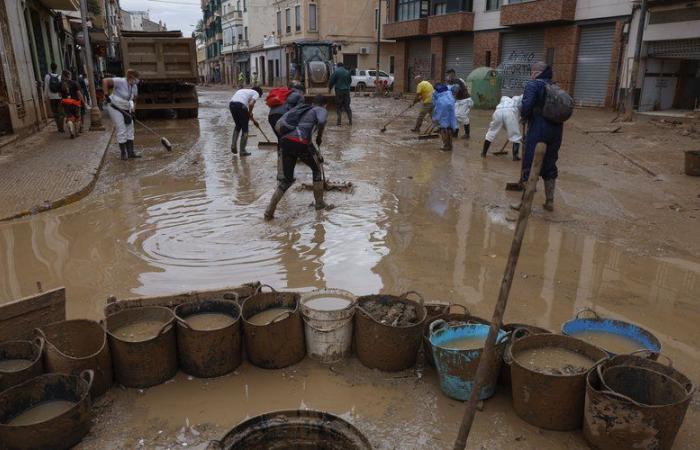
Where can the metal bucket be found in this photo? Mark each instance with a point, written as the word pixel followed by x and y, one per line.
pixel 328 332
pixel 504 378
pixel 29 351
pixel 384 346
pixel 451 319
pixel 73 346
pixel 60 432
pixel 209 353
pixel 637 334
pixel 144 363
pixel 280 343
pixel 457 368
pixel 635 402
pixel 550 401
pixel 300 429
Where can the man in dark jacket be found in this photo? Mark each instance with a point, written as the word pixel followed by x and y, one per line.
pixel 341 81
pixel 540 129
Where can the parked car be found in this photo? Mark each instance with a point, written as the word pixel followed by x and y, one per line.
pixel 364 78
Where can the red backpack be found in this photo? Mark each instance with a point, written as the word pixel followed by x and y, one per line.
pixel 277 96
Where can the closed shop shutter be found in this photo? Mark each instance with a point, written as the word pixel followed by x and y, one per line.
pixel 519 50
pixel 678 48
pixel 593 64
pixel 419 61
pixel 459 55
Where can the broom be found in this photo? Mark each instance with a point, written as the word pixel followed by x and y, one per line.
pixel 163 140
pixel 268 143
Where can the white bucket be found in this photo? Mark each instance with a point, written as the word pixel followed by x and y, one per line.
pixel 328 323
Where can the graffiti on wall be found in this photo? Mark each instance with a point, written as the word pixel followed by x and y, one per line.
pixel 515 69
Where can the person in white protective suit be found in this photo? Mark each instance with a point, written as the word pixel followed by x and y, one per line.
pixel 462 109
pixel 507 115
pixel 121 106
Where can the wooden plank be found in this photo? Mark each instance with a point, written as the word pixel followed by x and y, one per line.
pixel 19 318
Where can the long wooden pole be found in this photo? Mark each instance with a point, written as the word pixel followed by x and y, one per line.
pixel 498 312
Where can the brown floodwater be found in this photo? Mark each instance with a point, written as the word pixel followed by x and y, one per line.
pixel 42 412
pixel 467 343
pixel 418 219
pixel 139 331
pixel 209 321
pixel 614 343
pixel 269 315
pixel 327 303
pixel 547 358
pixel 14 365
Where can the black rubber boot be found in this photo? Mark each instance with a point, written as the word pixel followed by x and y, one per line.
pixel 516 151
pixel 319 189
pixel 466 131
pixel 485 150
pixel 455 132
pixel 549 186
pixel 244 144
pixel 130 149
pixel 122 150
pixel 349 117
pixel 276 197
pixel 234 141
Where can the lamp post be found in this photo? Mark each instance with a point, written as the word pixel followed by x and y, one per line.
pixel 95 116
pixel 379 40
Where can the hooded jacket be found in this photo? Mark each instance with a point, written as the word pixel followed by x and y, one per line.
pixel 539 128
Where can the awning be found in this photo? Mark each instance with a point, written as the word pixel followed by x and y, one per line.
pixel 65 5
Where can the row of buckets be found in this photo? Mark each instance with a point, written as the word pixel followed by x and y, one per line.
pixel 79 359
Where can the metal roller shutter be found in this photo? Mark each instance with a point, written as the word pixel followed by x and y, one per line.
pixel 519 50
pixel 419 61
pixel 593 64
pixel 459 55
pixel 680 48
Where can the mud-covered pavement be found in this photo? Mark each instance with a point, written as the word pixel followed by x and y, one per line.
pixel 623 239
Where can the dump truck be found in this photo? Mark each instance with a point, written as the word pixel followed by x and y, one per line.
pixel 167 66
pixel 311 63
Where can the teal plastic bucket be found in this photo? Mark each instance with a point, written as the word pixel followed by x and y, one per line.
pixel 457 368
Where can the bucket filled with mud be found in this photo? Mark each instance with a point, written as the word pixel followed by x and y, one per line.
pixel 273 329
pixel 300 430
pixel 457 351
pixel 20 361
pixel 51 411
pixel 388 330
pixel 328 322
pixel 516 330
pixel 614 336
pixel 73 346
pixel 635 402
pixel 143 345
pixel 452 319
pixel 209 339
pixel 549 379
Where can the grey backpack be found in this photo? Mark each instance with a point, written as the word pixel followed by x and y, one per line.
pixel 558 106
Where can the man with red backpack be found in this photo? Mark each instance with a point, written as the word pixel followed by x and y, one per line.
pixel 280 100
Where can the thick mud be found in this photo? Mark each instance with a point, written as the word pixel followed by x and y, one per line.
pixel 622 240
pixel 393 313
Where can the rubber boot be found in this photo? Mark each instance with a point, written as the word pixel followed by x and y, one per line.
pixel 549 186
pixel 485 150
pixel 130 149
pixel 122 150
pixel 318 197
pixel 466 131
pixel 419 123
pixel 349 117
pixel 234 141
pixel 446 135
pixel 516 151
pixel 244 143
pixel 276 197
pixel 455 132
pixel 71 128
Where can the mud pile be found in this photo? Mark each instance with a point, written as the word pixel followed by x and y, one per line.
pixel 390 312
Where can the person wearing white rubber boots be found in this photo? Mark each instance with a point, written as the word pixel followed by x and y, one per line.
pixel 507 115
pixel 122 104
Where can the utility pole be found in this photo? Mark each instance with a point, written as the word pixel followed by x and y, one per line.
pixel 629 100
pixel 379 40
pixel 95 116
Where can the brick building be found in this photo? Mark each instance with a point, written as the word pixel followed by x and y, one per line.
pixel 581 39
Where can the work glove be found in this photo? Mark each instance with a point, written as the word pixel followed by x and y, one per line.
pixel 132 106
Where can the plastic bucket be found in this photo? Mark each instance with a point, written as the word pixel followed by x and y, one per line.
pixel 635 402
pixel 300 429
pixel 209 353
pixel 57 433
pixel 73 346
pixel 526 330
pixel 385 346
pixel 279 343
pixel 328 329
pixel 547 400
pixel 28 351
pixel 615 328
pixel 457 368
pixel 143 363
pixel 452 319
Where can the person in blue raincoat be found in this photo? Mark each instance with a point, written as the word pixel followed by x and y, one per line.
pixel 444 114
pixel 540 129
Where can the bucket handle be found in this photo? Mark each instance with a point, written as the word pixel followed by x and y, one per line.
pixel 39 342
pixel 467 313
pixel 437 325
pixel 260 288
pixel 405 295
pixel 183 322
pixel 646 353
pixel 321 330
pixel 587 310
pixel 89 376
pixel 165 328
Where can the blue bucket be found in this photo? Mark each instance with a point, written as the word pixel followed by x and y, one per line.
pixel 644 339
pixel 457 368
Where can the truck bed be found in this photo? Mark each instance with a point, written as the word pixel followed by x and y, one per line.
pixel 160 56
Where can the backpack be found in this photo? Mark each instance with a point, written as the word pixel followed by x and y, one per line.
pixel 277 96
pixel 291 119
pixel 558 106
pixel 54 84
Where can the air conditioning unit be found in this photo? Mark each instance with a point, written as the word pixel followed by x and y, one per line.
pixel 364 51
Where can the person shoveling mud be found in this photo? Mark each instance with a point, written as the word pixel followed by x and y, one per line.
pixel 396 314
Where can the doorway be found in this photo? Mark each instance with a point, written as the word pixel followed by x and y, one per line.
pixel 350 61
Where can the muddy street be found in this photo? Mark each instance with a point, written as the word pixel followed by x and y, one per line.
pixel 621 241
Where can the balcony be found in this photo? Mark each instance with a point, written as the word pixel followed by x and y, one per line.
pixel 234 17
pixel 405 29
pixel 451 23
pixel 537 12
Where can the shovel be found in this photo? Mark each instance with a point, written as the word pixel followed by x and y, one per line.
pixel 268 143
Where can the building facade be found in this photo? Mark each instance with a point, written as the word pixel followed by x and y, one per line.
pixel 214 40
pixel 582 40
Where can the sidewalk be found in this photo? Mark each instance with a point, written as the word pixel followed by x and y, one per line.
pixel 48 169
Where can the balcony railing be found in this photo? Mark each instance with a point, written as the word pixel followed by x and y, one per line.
pixel 451 23
pixel 405 29
pixel 538 11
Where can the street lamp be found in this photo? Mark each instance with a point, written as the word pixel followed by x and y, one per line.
pixel 95 116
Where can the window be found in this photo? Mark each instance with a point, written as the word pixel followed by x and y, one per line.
pixel 277 68
pixel 297 18
pixel 279 23
pixel 411 9
pixel 288 19
pixel 391 64
pixel 245 34
pixel 440 9
pixel 492 5
pixel 312 18
pixel 383 74
pixel 245 6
